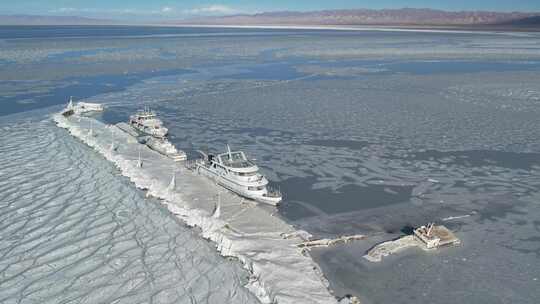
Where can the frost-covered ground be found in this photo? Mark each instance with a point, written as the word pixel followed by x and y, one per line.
pixel 73 230
pixel 365 132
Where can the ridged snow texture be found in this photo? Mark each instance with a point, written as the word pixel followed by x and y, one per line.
pixel 72 231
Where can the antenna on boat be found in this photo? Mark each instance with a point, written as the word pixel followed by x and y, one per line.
pixel 70 104
pixel 139 161
pixel 229 152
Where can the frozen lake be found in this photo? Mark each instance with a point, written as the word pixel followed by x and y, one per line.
pixel 365 132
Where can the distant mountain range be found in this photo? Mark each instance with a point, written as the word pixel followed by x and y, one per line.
pixel 352 17
pixel 392 17
pixel 51 20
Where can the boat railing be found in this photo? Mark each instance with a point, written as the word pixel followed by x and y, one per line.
pixel 273 192
pixel 255 178
pixel 192 164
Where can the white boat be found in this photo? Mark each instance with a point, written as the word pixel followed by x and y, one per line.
pixel 165 147
pixel 235 172
pixel 146 122
pixel 84 107
pixel 161 145
pixel 81 108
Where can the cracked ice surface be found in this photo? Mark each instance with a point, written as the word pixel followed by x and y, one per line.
pixel 186 48
pixel 373 154
pixel 71 230
pixel 252 233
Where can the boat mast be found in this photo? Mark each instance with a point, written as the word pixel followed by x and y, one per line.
pixel 70 104
pixel 229 152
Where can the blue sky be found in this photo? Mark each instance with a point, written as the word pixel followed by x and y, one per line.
pixel 188 8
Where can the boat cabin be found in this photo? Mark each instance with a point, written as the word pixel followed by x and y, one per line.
pixel 235 160
pixel 235 163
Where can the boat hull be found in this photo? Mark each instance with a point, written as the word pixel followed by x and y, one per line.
pixel 176 156
pixel 143 132
pixel 150 141
pixel 258 196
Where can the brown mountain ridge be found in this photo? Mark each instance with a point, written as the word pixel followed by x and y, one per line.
pixel 405 16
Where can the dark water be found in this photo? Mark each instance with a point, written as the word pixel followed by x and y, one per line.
pixel 269 71
pixel 80 87
pixel 480 158
pixel 344 199
pixel 96 31
pixel 423 67
pixel 36 32
pixel 339 143
pixel 426 68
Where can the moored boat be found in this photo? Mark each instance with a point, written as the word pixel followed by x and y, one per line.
pixel 146 122
pixel 235 172
pixel 166 148
pixel 81 108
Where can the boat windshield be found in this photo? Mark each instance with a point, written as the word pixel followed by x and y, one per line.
pixel 152 122
pixel 146 115
pixel 235 160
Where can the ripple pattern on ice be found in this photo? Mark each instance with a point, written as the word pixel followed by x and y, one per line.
pixel 71 230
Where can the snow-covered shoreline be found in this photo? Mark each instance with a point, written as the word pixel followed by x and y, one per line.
pixel 381 28
pixel 265 244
